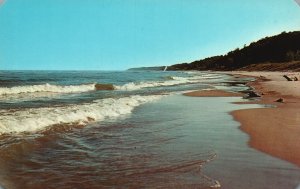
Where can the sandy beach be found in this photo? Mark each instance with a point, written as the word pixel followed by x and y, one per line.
pixel 276 130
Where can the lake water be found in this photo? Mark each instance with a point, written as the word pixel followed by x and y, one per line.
pixel 58 131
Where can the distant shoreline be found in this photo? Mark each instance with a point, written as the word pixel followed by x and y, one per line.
pixel 276 53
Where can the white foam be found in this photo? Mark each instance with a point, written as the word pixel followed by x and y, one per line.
pixel 46 88
pixel 171 82
pixel 35 119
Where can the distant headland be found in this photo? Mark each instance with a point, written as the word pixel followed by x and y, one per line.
pixel 276 53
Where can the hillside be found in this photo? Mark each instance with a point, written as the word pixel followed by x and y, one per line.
pixel 280 52
pixel 157 68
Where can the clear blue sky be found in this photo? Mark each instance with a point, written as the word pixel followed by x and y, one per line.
pixel 119 34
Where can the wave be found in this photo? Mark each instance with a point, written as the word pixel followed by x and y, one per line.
pixel 35 119
pixel 44 88
pixel 47 88
pixel 172 81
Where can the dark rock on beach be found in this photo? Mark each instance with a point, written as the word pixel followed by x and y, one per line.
pixel 104 87
pixel 251 94
pixel 279 100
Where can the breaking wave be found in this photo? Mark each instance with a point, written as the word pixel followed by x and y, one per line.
pixel 35 119
pixel 47 88
pixel 88 87
pixel 172 81
pixel 43 88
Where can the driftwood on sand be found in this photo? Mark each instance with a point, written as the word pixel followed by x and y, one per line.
pixel 290 78
pixel 287 78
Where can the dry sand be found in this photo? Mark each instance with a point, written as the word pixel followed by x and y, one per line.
pixel 275 131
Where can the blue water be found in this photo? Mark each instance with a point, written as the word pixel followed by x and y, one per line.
pixel 58 131
pixel 39 99
pixel 12 79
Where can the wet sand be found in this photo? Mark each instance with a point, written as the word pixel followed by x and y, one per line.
pixel 275 131
pixel 212 93
pixel 234 156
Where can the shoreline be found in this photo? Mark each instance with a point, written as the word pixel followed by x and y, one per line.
pixel 212 93
pixel 276 130
pixel 272 130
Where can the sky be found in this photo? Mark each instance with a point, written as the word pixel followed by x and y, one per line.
pixel 119 34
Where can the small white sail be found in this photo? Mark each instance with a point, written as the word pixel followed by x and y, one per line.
pixel 165 68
